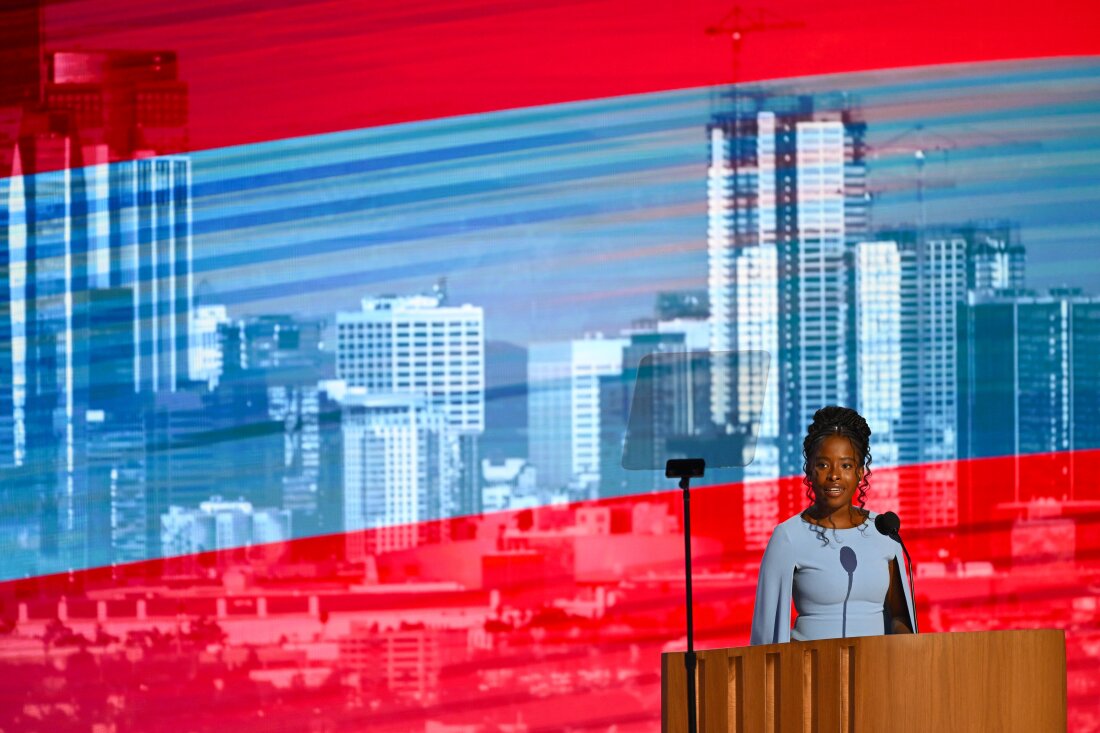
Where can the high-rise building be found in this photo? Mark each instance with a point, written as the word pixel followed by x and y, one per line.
pixel 672 407
pixel 180 449
pixel 12 237
pixel 421 346
pixel 933 287
pixel 127 105
pixel 786 203
pixel 1029 388
pixel 84 240
pixel 271 342
pixel 21 62
pixel 131 102
pixel 908 289
pixel 271 375
pixel 418 345
pixel 995 256
pixel 205 348
pixel 306 413
pixel 505 403
pixel 149 251
pixel 878 293
pixel 116 510
pixel 47 287
pixel 928 274
pixel 43 324
pixel 398 468
pixel 563 408
pixel 115 448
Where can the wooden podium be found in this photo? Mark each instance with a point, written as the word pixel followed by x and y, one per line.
pixel 995 681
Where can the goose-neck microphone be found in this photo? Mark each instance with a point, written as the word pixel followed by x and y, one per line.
pixel 889 524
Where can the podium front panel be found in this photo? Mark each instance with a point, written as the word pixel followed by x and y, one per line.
pixel 997 681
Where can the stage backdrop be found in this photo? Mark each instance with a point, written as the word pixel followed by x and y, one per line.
pixel 319 324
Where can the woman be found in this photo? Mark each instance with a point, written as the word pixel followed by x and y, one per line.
pixel 844 576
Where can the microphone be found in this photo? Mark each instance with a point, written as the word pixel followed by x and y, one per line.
pixel 848 561
pixel 889 524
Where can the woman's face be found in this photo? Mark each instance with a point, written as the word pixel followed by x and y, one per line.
pixel 835 473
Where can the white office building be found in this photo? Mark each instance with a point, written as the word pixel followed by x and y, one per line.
pixel 220 525
pixel 205 351
pixel 878 277
pixel 415 345
pixel 563 407
pixel 399 467
pixel 419 345
pixel 908 292
pixel 786 201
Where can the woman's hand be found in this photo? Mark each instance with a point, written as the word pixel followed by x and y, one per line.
pixel 895 603
pixel 899 627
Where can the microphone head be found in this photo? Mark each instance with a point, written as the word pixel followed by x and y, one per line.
pixel 848 559
pixel 888 523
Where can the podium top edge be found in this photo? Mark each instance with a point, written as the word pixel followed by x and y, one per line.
pixel 884 638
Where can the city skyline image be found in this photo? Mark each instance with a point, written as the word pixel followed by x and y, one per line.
pixel 313 408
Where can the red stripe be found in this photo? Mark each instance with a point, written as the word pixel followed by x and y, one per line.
pixel 289 610
pixel 300 67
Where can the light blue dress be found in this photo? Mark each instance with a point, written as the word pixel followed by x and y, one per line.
pixel 837 578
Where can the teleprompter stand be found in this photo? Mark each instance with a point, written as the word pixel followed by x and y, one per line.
pixel 686 469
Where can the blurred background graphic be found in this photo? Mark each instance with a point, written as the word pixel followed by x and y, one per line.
pixel 319 325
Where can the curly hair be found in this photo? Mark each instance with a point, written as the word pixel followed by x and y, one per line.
pixel 834 420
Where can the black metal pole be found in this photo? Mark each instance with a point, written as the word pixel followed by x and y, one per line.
pixel 689 658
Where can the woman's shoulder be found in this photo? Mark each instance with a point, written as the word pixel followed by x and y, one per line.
pixel 790 529
pixel 789 524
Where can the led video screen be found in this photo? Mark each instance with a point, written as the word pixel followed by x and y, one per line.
pixel 319 325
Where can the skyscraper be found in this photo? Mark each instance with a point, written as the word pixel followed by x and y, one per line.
pixel 205 348
pixel 274 363
pixel 21 62
pixel 12 315
pixel 786 203
pixel 910 287
pixel 1029 387
pixel 615 397
pixel 132 102
pixel 81 238
pixel 150 252
pixel 420 345
pixel 116 445
pixel 398 467
pixel 908 290
pixel 878 293
pixel 181 444
pixel 563 408
pixel 47 285
pixel 995 256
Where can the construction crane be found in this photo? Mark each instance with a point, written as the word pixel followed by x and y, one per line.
pixel 920 142
pixel 738 22
pixel 924 144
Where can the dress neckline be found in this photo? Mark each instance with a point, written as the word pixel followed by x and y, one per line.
pixel 866 519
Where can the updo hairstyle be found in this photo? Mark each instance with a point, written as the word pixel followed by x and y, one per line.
pixel 834 420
